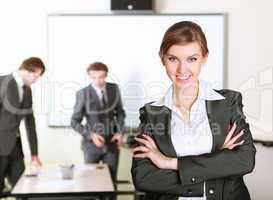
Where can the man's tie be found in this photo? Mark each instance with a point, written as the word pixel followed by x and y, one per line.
pixel 103 100
pixel 24 95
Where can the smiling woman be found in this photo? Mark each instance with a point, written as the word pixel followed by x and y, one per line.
pixel 183 52
pixel 204 146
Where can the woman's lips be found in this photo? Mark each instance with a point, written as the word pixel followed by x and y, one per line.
pixel 183 77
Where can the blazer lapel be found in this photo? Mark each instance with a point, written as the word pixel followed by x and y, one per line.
pixel 218 116
pixel 160 118
pixel 112 96
pixel 109 93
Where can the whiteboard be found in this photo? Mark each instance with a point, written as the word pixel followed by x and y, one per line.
pixel 129 46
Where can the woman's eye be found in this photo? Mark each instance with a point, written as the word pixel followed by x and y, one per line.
pixel 193 59
pixel 172 59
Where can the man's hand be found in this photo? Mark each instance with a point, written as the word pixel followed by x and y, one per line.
pixel 118 138
pixel 35 160
pixel 98 140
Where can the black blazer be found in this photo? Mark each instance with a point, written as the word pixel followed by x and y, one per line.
pixel 98 119
pixel 222 170
pixel 11 114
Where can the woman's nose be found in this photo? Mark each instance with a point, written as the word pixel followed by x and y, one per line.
pixel 182 67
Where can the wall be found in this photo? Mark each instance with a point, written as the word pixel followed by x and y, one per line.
pixel 249 58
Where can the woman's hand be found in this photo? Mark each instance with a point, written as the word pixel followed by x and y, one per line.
pixel 150 150
pixel 230 142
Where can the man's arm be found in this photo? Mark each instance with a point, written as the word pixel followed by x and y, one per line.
pixel 1 93
pixel 31 129
pixel 78 115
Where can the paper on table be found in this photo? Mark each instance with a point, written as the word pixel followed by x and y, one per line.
pixel 60 184
pixel 32 170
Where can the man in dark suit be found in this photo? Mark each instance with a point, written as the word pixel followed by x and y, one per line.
pixel 16 104
pixel 100 104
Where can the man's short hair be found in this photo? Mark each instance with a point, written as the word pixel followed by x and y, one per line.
pixel 97 66
pixel 32 64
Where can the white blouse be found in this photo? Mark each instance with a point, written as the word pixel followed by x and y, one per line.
pixel 193 137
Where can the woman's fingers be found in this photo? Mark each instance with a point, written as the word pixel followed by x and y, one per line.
pixel 230 140
pixel 145 142
pixel 235 138
pixel 141 148
pixel 230 133
pixel 150 140
pixel 142 155
pixel 235 145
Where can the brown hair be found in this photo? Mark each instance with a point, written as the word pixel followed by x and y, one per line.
pixel 97 66
pixel 182 33
pixel 32 64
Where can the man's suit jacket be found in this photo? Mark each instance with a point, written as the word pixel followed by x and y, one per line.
pixel 105 121
pixel 222 170
pixel 12 111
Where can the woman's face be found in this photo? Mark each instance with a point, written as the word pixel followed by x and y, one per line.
pixel 183 63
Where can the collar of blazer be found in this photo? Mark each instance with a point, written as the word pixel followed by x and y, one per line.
pixel 159 118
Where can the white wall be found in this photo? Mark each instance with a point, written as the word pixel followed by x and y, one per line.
pixel 23 33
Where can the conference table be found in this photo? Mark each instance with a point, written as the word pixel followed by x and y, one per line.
pixel 89 180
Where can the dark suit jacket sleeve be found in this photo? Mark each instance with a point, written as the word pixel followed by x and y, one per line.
pixel 78 114
pixel 147 177
pixel 222 163
pixel 31 129
pixel 120 113
pixel 0 101
pixel 1 93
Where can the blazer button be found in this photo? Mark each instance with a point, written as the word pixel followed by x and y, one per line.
pixel 189 191
pixel 211 191
pixel 193 180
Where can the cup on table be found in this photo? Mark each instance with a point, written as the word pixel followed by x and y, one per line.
pixel 67 171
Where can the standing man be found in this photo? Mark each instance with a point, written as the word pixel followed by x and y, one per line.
pixel 100 104
pixel 15 105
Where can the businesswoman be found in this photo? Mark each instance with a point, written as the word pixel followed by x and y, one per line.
pixel 194 143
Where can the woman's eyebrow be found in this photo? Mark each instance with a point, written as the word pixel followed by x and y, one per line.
pixel 168 54
pixel 196 54
pixel 193 55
